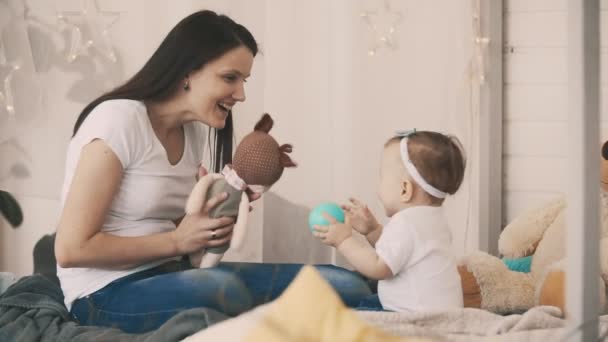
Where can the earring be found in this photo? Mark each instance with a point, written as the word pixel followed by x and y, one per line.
pixel 187 86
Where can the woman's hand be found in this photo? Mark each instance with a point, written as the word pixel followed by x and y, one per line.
pixel 198 230
pixel 360 217
pixel 253 196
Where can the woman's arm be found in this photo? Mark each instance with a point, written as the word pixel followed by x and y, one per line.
pixel 80 242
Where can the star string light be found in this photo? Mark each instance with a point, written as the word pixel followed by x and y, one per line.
pixel 383 26
pixel 480 44
pixel 7 71
pixel 89 28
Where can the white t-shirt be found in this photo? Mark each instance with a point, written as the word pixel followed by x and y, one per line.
pixel 152 194
pixel 416 245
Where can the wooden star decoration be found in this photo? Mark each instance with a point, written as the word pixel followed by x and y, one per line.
pixel 383 26
pixel 89 28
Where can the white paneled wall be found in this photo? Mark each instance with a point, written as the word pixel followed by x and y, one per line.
pixel 334 102
pixel 338 105
pixel 535 101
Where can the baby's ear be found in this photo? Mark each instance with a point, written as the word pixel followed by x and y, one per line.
pixel 284 158
pixel 407 190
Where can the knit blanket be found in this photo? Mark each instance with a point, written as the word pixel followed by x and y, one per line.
pixel 543 323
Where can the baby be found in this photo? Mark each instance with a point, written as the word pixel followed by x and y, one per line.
pixel 412 255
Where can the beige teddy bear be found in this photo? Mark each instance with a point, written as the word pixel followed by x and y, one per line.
pixel 541 232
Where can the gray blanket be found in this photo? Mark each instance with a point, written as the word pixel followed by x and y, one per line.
pixel 32 310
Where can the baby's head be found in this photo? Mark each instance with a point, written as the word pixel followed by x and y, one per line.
pixel 420 169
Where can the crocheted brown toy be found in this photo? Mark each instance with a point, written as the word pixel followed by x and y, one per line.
pixel 257 164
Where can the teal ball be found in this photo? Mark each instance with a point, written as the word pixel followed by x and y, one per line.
pixel 316 214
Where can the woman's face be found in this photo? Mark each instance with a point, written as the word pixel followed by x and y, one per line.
pixel 218 86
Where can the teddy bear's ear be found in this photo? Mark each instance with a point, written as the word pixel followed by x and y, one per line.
pixel 604 167
pixel 265 123
pixel 284 158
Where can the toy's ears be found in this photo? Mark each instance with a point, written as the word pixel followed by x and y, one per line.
pixel 265 124
pixel 407 191
pixel 284 158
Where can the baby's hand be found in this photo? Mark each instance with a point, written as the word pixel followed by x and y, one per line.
pixel 360 217
pixel 333 234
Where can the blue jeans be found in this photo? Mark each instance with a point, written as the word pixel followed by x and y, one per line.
pixel 370 303
pixel 143 301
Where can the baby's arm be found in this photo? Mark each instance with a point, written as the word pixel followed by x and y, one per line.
pixel 373 236
pixel 364 259
pixel 362 220
pixel 360 254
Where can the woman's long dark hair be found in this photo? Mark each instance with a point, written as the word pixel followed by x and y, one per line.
pixel 195 41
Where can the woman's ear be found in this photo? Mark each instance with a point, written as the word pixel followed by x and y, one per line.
pixel 407 191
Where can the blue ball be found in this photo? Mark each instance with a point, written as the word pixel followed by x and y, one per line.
pixel 316 215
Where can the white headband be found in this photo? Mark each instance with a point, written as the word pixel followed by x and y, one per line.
pixel 411 169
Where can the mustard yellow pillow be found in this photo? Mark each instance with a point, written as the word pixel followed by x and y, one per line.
pixel 310 310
